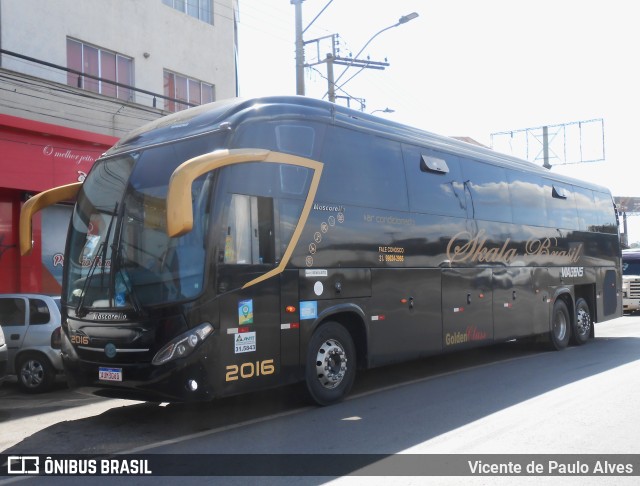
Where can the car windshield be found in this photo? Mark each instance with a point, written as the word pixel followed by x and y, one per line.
pixel 630 267
pixel 119 253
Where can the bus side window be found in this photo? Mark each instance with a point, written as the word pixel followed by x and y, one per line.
pixel 489 190
pixel 435 182
pixel 606 215
pixel 363 170
pixel 587 213
pixel 249 234
pixel 561 205
pixel 528 198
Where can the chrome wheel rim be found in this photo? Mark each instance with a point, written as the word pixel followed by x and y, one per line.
pixel 583 322
pixel 32 373
pixel 331 364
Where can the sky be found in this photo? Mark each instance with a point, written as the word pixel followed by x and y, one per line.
pixel 473 68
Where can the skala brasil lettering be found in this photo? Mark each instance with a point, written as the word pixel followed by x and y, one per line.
pixel 465 247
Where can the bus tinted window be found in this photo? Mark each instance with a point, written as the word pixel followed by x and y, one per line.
pixel 587 212
pixel 431 191
pixel 489 190
pixel 299 139
pixel 561 205
pixel 528 198
pixel 606 215
pixel 362 169
pixel 295 139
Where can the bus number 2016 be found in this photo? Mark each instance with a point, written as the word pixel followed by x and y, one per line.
pixel 249 370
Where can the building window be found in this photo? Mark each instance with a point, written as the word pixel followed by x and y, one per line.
pixel 200 9
pixel 103 64
pixel 182 88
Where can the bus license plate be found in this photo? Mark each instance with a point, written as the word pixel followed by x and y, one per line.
pixel 110 374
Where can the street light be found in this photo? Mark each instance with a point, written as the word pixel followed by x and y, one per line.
pixel 402 20
pixel 386 110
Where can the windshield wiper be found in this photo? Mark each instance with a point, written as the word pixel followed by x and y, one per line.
pixel 101 254
pixel 117 267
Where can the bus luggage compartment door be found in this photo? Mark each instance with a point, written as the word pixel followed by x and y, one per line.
pixel 405 314
pixel 513 303
pixel 467 307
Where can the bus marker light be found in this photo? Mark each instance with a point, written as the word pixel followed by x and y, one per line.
pixel 290 325
pixel 403 301
pixel 193 385
pixel 290 309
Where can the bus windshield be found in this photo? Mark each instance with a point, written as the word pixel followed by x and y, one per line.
pixel 119 255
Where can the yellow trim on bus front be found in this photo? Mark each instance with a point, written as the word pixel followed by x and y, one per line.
pixel 180 205
pixel 38 202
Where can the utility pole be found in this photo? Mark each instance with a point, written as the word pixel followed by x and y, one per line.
pixel 299 48
pixel 332 91
pixel 331 58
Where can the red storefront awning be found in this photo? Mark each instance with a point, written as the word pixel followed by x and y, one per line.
pixel 35 156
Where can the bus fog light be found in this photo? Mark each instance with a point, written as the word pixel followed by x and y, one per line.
pixel 183 345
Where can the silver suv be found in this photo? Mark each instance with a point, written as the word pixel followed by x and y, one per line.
pixel 31 325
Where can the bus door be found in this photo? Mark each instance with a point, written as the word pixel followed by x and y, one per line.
pixel 249 314
pixel 513 302
pixel 405 314
pixel 466 307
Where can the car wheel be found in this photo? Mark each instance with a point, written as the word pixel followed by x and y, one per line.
pixel 582 323
pixel 35 373
pixel 331 364
pixel 560 326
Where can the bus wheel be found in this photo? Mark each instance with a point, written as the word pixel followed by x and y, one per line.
pixel 560 326
pixel 581 329
pixel 331 364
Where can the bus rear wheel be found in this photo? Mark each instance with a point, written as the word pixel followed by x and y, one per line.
pixel 331 364
pixel 560 326
pixel 582 323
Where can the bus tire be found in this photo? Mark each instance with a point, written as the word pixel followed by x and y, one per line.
pixel 560 326
pixel 331 364
pixel 582 323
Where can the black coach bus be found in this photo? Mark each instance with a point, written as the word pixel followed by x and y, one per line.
pixel 246 244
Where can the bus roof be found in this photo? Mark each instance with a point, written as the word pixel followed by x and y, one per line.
pixel 231 112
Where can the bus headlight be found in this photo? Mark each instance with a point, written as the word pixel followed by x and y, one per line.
pixel 183 345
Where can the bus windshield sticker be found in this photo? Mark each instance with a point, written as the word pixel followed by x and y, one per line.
pixel 315 273
pixel 245 312
pixel 308 309
pixel 245 342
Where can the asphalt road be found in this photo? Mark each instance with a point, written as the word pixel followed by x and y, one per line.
pixel 509 399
